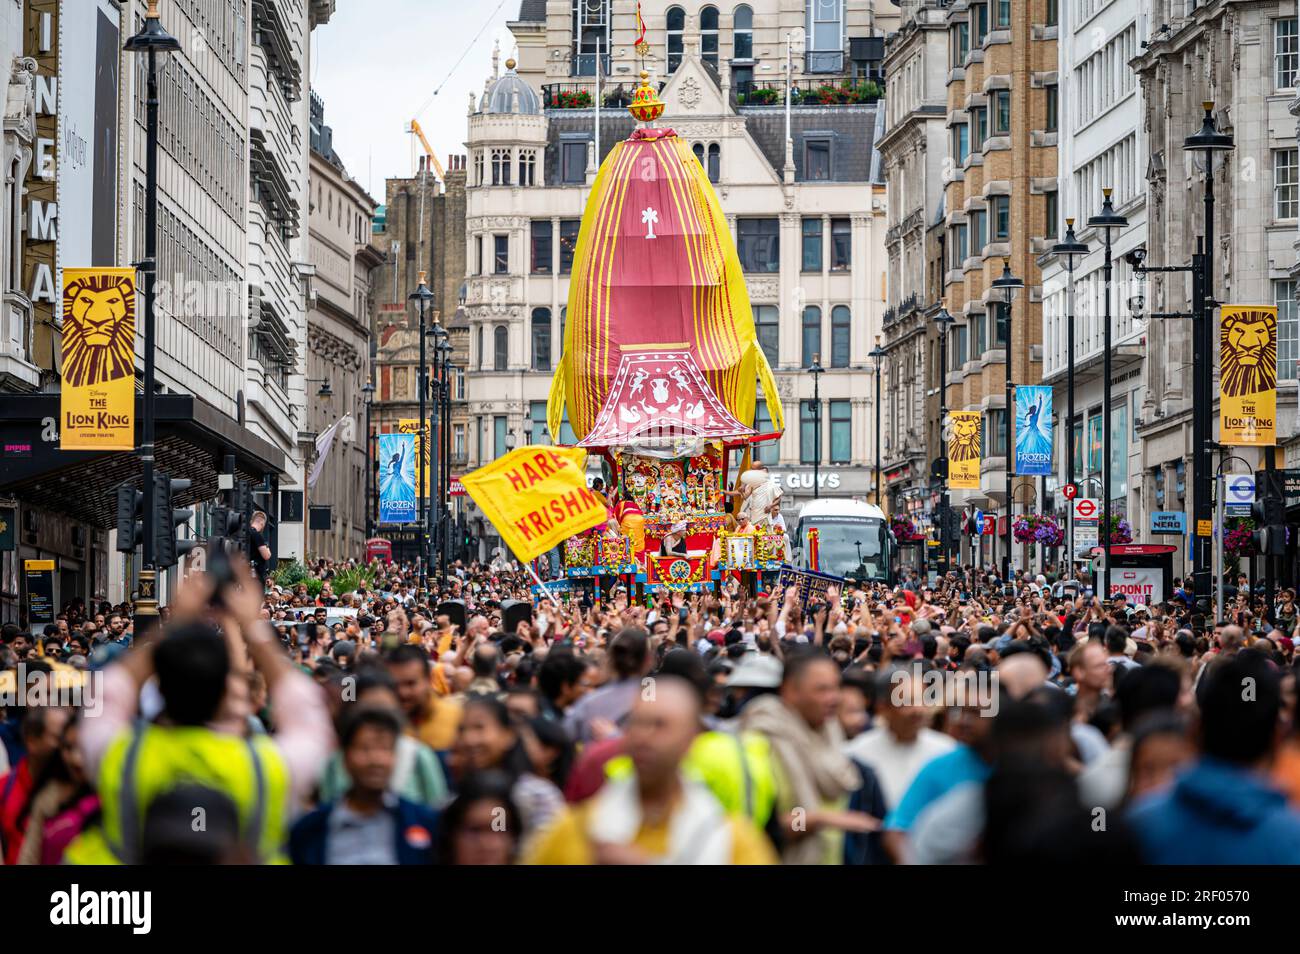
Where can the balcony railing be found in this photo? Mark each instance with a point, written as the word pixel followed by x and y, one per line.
pixel 583 96
pixel 842 91
pixel 905 307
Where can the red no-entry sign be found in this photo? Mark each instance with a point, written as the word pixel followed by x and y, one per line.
pixel 1071 491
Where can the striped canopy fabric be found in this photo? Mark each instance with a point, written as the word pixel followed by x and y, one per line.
pixel 655 269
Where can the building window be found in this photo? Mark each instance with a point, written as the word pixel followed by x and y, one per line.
pixel 1052 215
pixel 808 427
pixel 977 323
pixel 841 421
pixel 841 336
pixel 541 246
pixel 500 254
pixel 759 244
pixel 979 18
pixel 500 348
pixel 478 169
pixel 841 244
pixel 826 31
pixel 1001 212
pixel 500 167
pixel 1053 106
pixel 1001 112
pixel 1053 12
pixel 812 335
pixel 499 436
pixel 527 167
pixel 568 243
pixel 1288 331
pixel 768 329
pixel 1286 197
pixel 709 36
pixel 698 150
pixel 961 142
pixel 1001 324
pixel 1002 16
pixel 959 248
pixel 958 338
pixel 537 422
pixel 979 116
pixel 591 32
pixel 960 44
pixel 715 162
pixel 812 245
pixel 541 339
pixel 482 348
pixel 478 254
pixel 573 162
pixel 458 442
pixel 676 24
pixel 743 33
pixel 1286 53
pixel 977 219
pixel 817 160
pixel 995 434
pixel 765 452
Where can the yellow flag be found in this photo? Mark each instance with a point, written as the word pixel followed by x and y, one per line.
pixel 536 496
pixel 97 395
pixel 964 451
pixel 1248 375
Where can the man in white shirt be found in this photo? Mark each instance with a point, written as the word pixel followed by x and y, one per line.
pixel 899 744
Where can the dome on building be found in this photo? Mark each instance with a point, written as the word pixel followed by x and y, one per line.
pixel 501 95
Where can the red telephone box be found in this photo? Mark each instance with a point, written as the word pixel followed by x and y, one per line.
pixel 377 548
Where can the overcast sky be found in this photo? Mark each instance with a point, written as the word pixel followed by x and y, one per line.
pixel 378 61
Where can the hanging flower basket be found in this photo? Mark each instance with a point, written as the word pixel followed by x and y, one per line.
pixel 1120 530
pixel 1038 528
pixel 1239 540
pixel 905 531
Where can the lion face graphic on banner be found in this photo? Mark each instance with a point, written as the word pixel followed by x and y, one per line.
pixel 965 438
pixel 1248 352
pixel 98 330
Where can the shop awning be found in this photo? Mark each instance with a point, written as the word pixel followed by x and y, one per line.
pixel 191 441
pixel 660 397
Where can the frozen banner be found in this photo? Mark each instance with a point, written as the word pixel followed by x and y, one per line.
pixel 1248 375
pixel 1033 430
pixel 397 478
pixel 964 450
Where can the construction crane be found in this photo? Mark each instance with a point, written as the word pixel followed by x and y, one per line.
pixel 414 129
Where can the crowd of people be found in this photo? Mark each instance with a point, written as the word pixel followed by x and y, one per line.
pixel 488 719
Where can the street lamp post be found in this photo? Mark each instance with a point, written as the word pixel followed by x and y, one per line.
pixel 152 41
pixel 423 296
pixel 1070 247
pixel 816 370
pixel 1207 140
pixel 1108 221
pixel 877 355
pixel 369 391
pixel 1008 284
pixel 444 487
pixel 944 321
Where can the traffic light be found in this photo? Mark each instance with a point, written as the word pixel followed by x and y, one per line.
pixel 167 549
pixel 238 514
pixel 130 510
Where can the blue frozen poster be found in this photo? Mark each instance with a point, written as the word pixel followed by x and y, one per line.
pixel 397 478
pixel 1033 429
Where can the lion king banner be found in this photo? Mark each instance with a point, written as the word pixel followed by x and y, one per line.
pixel 964 451
pixel 97 397
pixel 536 496
pixel 1248 375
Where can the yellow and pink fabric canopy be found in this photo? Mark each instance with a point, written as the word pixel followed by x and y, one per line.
pixel 656 271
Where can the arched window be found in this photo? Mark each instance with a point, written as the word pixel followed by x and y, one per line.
pixel 527 167
pixel 709 36
pixel 676 24
pixel 501 167
pixel 478 167
pixel 715 162
pixel 743 33
pixel 812 334
pixel 541 339
pixel 500 348
pixel 841 336
pixel 698 149
pixel 482 348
